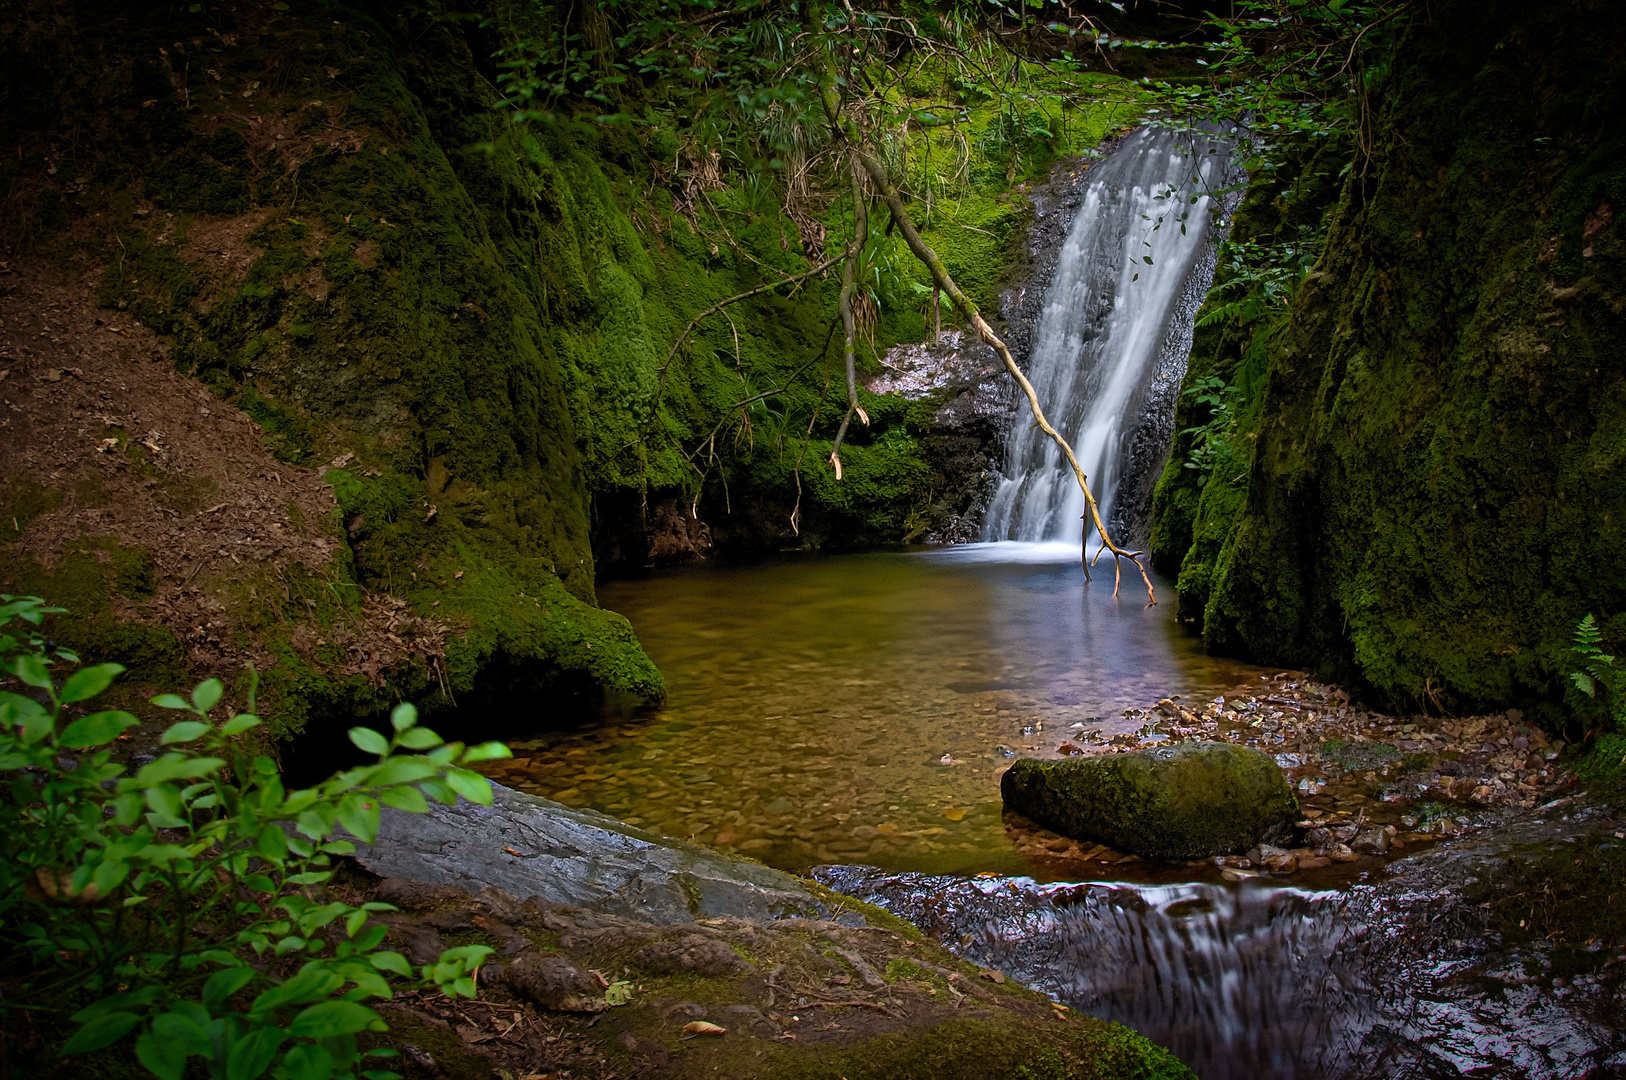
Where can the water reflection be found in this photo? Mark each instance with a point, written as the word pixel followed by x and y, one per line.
pixel 860 708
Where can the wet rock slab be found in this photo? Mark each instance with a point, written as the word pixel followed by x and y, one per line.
pixel 529 846
pixel 635 957
pixel 1428 972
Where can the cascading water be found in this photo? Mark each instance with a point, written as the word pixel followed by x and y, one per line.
pixel 1399 980
pixel 1111 342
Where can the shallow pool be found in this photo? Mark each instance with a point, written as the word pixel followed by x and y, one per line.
pixel 861 708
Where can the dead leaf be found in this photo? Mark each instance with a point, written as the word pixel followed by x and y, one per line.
pixel 701 1027
pixel 458 574
pixel 954 814
pixel 993 976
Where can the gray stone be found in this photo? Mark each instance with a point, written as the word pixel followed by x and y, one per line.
pixel 1373 841
pixel 528 847
pixel 1192 800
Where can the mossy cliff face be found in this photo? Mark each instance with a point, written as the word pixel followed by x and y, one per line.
pixel 1423 489
pixel 293 197
pixel 1188 801
pixel 467 327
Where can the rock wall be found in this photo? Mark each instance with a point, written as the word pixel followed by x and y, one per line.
pixel 1421 492
pixel 463 326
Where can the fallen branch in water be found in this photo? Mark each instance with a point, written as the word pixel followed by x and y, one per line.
pixel 941 278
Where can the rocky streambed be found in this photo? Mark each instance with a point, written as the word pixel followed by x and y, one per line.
pixel 1498 955
pixel 1445 907
pixel 1370 786
pixel 619 954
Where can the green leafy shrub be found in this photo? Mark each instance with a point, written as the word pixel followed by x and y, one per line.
pixel 180 907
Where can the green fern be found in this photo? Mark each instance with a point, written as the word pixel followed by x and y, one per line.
pixel 1598 678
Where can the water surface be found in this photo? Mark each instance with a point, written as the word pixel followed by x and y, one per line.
pixel 861 708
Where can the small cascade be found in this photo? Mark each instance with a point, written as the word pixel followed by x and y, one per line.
pixel 1262 982
pixel 1110 345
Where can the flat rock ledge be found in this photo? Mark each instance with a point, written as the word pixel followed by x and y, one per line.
pixel 529 846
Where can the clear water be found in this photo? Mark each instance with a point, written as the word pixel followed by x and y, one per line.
pixel 813 702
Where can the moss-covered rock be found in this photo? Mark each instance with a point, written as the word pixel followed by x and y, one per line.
pixel 1427 488
pixel 1187 801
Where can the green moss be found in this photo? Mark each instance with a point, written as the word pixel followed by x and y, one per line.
pixel 1359 755
pixel 86 579
pixel 1191 800
pixel 976 1049
pixel 22 500
pixel 1603 769
pixel 1433 492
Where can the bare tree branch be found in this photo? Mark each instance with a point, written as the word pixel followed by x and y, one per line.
pixel 940 276
pixel 849 321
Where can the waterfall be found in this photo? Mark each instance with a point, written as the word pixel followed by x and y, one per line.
pixel 1111 343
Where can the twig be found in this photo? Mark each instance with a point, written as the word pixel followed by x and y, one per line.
pixel 940 275
pixel 660 384
pixel 849 321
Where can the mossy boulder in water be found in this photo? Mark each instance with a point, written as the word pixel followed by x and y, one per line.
pixel 1188 801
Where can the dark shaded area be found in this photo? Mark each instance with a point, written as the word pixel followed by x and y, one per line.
pixel 1426 491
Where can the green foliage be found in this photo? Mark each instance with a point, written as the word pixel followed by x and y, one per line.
pixel 179 906
pixel 1599 688
pixel 1287 70
pixel 1257 281
pixel 1208 439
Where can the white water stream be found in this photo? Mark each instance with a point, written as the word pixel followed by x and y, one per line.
pixel 1114 332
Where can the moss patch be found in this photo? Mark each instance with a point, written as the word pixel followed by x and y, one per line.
pixel 1427 488
pixel 89 579
pixel 1187 801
